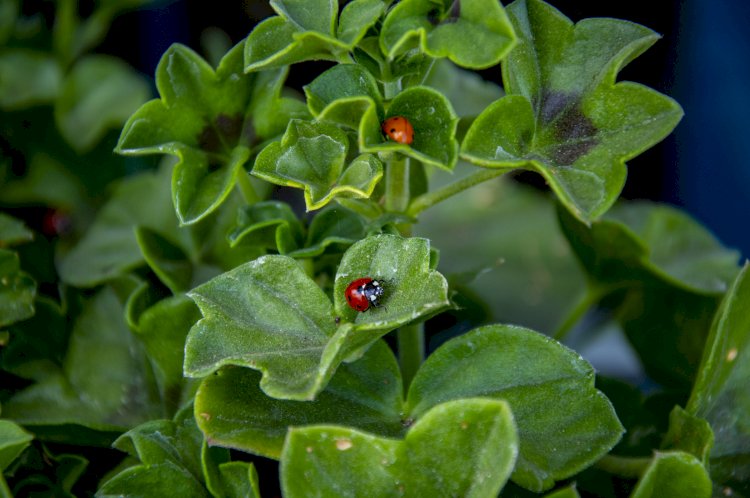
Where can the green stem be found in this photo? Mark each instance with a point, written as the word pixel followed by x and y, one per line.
pixel 410 351
pixel 246 188
pixel 592 296
pixel 64 30
pixel 397 184
pixel 627 467
pixel 4 490
pixel 429 199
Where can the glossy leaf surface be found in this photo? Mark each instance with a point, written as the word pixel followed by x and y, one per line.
pixel 564 116
pixel 459 448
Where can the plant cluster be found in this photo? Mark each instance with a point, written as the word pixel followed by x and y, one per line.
pixel 193 319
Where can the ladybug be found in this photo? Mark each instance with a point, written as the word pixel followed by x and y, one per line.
pixel 398 129
pixel 363 293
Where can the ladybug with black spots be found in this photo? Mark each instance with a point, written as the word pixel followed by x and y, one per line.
pixel 363 293
pixel 398 129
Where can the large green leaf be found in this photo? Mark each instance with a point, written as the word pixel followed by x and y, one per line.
pixel 28 78
pixel 472 33
pixel 233 412
pixel 720 394
pixel 269 315
pixel 434 123
pixel 211 120
pixel 306 30
pixel 110 246
pixel 459 448
pixel 564 423
pixel 13 440
pixel 315 157
pixel 673 475
pixel 99 94
pixel 564 116
pixel 666 273
pixel 17 290
pixel 110 389
pixel 467 92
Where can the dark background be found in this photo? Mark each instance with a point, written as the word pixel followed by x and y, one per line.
pixel 702 61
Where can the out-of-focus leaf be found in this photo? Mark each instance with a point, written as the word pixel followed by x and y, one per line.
pixel 27 79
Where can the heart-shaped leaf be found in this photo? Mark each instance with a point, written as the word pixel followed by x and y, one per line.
pixel 459 448
pixel 720 393
pixel 306 30
pixel 472 33
pixel 533 373
pixel 13 440
pixel 269 315
pixel 434 123
pixel 99 94
pixel 673 475
pixel 313 156
pixel 210 120
pixel 17 290
pixel 29 78
pixel 233 412
pixel 564 116
pixel 271 225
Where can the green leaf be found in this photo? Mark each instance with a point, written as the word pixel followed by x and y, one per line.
pixel 270 225
pixel 240 480
pixel 47 182
pixel 567 492
pixel 666 273
pixel 8 16
pixel 460 448
pixel 269 315
pixel 720 393
pixel 162 329
pixel 306 30
pixel 309 15
pixel 342 94
pixel 434 123
pixel 564 116
pixel 110 247
pixel 472 33
pixel 253 314
pixel 366 394
pixel 673 475
pixel 356 18
pixel 99 94
pixel 17 290
pixel 333 228
pixel 467 92
pixel 28 79
pixel 13 231
pixel 13 440
pixel 170 455
pixel 166 259
pixel 312 156
pixel 108 390
pixel 640 240
pixel 210 119
pixel 690 434
pixel 532 373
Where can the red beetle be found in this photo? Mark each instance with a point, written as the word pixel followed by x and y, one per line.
pixel 363 293
pixel 398 129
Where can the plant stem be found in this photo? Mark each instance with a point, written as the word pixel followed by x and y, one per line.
pixel 410 350
pixel 429 199
pixel 627 467
pixel 397 184
pixel 589 299
pixel 246 188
